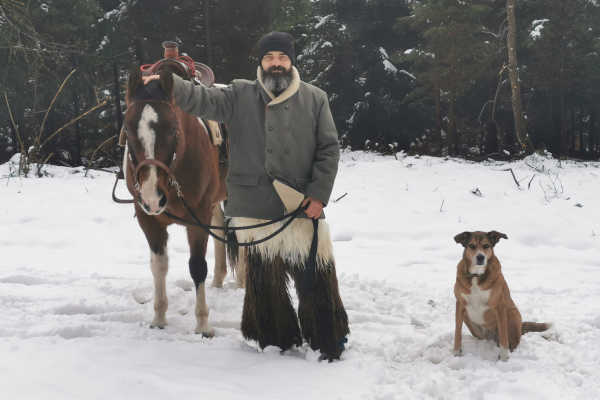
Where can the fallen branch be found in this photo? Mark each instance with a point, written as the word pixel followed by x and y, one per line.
pixel 531 180
pixel 514 177
pixel 341 197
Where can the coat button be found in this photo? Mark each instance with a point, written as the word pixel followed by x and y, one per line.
pixel 269 151
pixel 286 151
pixel 287 107
pixel 270 128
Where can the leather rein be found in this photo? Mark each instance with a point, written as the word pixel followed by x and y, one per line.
pixel 195 220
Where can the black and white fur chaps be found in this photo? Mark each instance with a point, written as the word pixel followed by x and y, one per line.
pixel 268 316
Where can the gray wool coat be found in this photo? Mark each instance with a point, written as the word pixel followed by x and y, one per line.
pixel 291 138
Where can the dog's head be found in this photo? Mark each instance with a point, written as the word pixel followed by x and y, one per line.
pixel 479 248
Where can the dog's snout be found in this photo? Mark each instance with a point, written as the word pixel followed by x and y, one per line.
pixel 480 259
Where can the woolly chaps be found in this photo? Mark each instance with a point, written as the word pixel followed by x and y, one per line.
pixel 269 316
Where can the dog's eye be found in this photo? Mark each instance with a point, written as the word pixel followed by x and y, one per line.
pixel 472 246
pixel 486 246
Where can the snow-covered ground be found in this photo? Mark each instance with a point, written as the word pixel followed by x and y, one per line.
pixel 72 265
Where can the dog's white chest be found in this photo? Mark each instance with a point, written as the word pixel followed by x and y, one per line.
pixel 477 303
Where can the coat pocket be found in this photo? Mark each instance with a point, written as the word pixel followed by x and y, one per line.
pixel 243 179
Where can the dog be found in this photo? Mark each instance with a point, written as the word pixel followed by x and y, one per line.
pixel 483 299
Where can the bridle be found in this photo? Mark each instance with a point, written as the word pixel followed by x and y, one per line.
pixel 159 164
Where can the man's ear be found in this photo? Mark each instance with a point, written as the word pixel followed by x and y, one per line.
pixel 134 81
pixel 495 236
pixel 166 82
pixel 463 238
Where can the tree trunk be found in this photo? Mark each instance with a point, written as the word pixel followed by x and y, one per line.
pixel 520 131
pixel 452 132
pixel 209 52
pixel 437 134
pixel 117 92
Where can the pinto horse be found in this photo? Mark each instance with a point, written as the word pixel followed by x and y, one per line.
pixel 170 157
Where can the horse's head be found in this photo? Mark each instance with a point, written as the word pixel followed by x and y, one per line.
pixel 152 133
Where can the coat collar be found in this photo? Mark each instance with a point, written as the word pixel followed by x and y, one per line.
pixel 287 93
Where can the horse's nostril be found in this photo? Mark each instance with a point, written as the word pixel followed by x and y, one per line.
pixel 163 201
pixel 146 206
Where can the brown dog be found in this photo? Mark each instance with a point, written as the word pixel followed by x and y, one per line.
pixel 483 300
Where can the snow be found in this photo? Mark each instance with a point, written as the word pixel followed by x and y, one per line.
pixel 323 20
pixel 76 290
pixel 538 26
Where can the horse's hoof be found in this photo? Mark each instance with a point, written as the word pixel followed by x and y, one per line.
pixel 205 332
pixel 216 284
pixel 504 354
pixel 159 323
pixel 457 353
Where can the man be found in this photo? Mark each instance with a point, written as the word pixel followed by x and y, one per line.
pixel 280 129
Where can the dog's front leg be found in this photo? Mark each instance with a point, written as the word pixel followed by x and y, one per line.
pixel 502 318
pixel 458 329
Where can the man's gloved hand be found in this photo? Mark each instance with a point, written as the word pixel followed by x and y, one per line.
pixel 315 207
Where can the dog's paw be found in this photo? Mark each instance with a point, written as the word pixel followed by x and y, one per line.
pixel 504 354
pixel 457 353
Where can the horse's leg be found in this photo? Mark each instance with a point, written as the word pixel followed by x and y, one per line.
pixel 268 315
pixel 241 267
pixel 218 219
pixel 156 235
pixel 197 239
pixel 321 312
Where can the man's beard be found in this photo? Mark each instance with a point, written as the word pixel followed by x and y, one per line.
pixel 277 79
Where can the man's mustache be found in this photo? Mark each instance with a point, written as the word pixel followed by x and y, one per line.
pixel 276 68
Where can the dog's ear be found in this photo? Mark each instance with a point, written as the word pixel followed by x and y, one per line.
pixel 134 81
pixel 166 82
pixel 463 238
pixel 495 237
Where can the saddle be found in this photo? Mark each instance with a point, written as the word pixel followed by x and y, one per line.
pixel 190 70
pixel 183 66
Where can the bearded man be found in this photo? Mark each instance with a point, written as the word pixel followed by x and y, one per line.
pixel 280 130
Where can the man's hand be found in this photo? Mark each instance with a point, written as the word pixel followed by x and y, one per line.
pixel 149 78
pixel 315 207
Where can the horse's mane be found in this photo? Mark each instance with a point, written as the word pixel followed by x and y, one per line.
pixel 151 91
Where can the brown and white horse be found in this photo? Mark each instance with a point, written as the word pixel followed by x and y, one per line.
pixel 169 154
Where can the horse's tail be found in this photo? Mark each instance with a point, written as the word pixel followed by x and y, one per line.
pixel 232 250
pixel 534 327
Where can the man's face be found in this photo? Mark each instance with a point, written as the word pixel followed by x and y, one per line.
pixel 276 62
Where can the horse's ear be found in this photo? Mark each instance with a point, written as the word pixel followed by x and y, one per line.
pixel 134 81
pixel 166 82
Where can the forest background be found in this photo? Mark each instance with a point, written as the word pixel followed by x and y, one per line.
pixel 424 77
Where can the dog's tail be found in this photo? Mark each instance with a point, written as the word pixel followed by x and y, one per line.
pixel 534 327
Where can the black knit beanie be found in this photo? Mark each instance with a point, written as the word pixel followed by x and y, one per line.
pixel 277 41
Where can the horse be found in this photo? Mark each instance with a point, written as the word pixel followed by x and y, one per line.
pixel 169 157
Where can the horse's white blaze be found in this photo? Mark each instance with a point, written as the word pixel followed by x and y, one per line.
pixel 147 136
pixel 159 263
